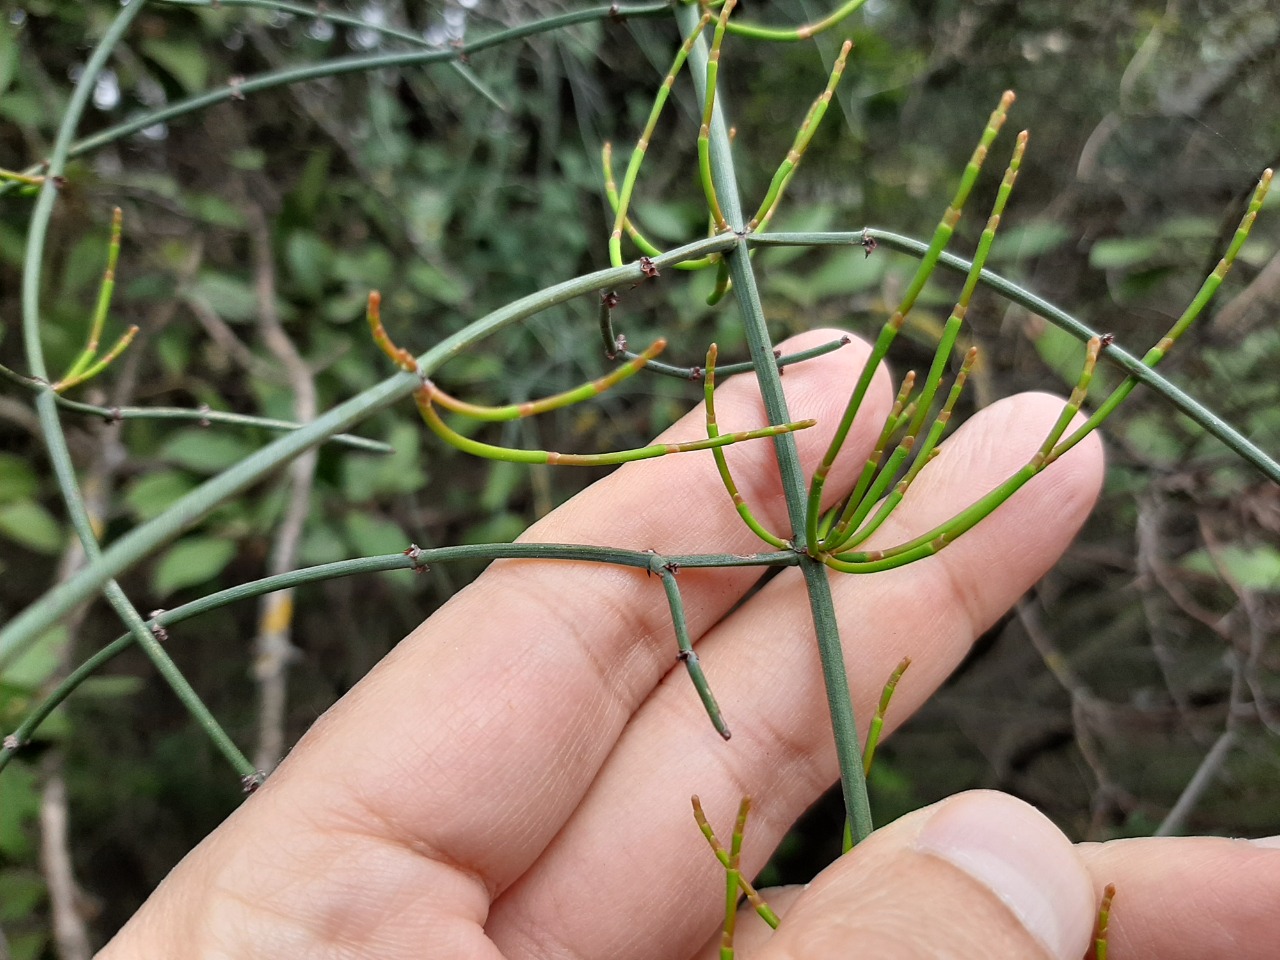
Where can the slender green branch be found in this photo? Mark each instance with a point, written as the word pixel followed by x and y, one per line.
pixel 415 558
pixel 822 608
pixel 758 31
pixel 241 88
pixel 723 855
pixel 941 236
pixel 687 655
pixel 804 136
pixel 1213 424
pixel 642 146
pixel 130 548
pixel 722 465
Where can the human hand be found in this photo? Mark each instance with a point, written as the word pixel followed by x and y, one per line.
pixel 513 779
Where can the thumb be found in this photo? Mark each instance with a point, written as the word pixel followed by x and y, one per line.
pixel 978 875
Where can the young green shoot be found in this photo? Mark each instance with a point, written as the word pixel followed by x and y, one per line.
pixel 1193 310
pixel 727 861
pixel 804 136
pixel 642 146
pixel 643 243
pixel 941 235
pixel 713 430
pixel 88 365
pixel 428 395
pixel 667 573
pixel 791 34
pixel 874 733
pixel 1098 946
pixel 708 110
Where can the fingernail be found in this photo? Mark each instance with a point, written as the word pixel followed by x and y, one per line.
pixel 1023 859
pixel 1270 842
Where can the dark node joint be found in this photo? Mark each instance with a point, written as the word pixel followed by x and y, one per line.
pixel 12 743
pixel 252 781
pixel 687 656
pixel 204 419
pixel 59 182
pixel 619 347
pixel 846 340
pixel 414 553
pixel 114 415
pixel 1107 339
pixel 610 298
pixel 696 373
pixel 671 567
pixel 234 83
pixel 615 13
pixel 648 268
pixel 869 245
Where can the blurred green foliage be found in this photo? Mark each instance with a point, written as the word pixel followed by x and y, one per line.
pixel 1150 123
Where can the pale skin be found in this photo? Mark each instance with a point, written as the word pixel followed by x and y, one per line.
pixel 513 780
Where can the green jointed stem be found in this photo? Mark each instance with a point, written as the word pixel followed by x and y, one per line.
pixel 927 544
pixel 105 292
pixel 1047 453
pixel 708 111
pixel 414 558
pixel 530 408
pixel 667 573
pixel 890 330
pixel 1196 411
pixel 753 897
pixel 642 145
pixel 121 345
pixel 46 401
pixel 1101 927
pixel 821 604
pixel 803 137
pixel 785 34
pixel 643 243
pixel 353 64
pixel 722 465
pixel 490 451
pixel 697 373
pixel 875 731
pixel 1193 310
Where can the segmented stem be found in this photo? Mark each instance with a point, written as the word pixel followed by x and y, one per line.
pixel 667 573
pixel 708 109
pixel 86 366
pixel 803 137
pixel 1193 310
pixel 643 243
pixel 722 465
pixel 941 235
pixel 642 145
pixel 789 34
pixel 753 896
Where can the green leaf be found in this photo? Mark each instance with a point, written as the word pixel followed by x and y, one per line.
pixel 1254 567
pixel 1028 240
pixel 182 60
pixel 231 298
pixel 31 525
pixel 17 480
pixel 1120 253
pixel 366 477
pixel 370 536
pixel 19 804
pixel 38 662
pixel 151 494
pixel 191 561
pixel 310 262
pixel 204 450
pixel 8 55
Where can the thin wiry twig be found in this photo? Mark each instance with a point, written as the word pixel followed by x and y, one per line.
pixel 274 647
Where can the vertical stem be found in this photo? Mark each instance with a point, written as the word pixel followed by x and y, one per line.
pixel 848 751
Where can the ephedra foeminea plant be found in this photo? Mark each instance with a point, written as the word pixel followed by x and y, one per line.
pixel 817 541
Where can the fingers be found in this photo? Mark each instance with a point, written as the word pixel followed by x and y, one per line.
pixel 763 666
pixel 448 769
pixel 978 875
pixel 1187 898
